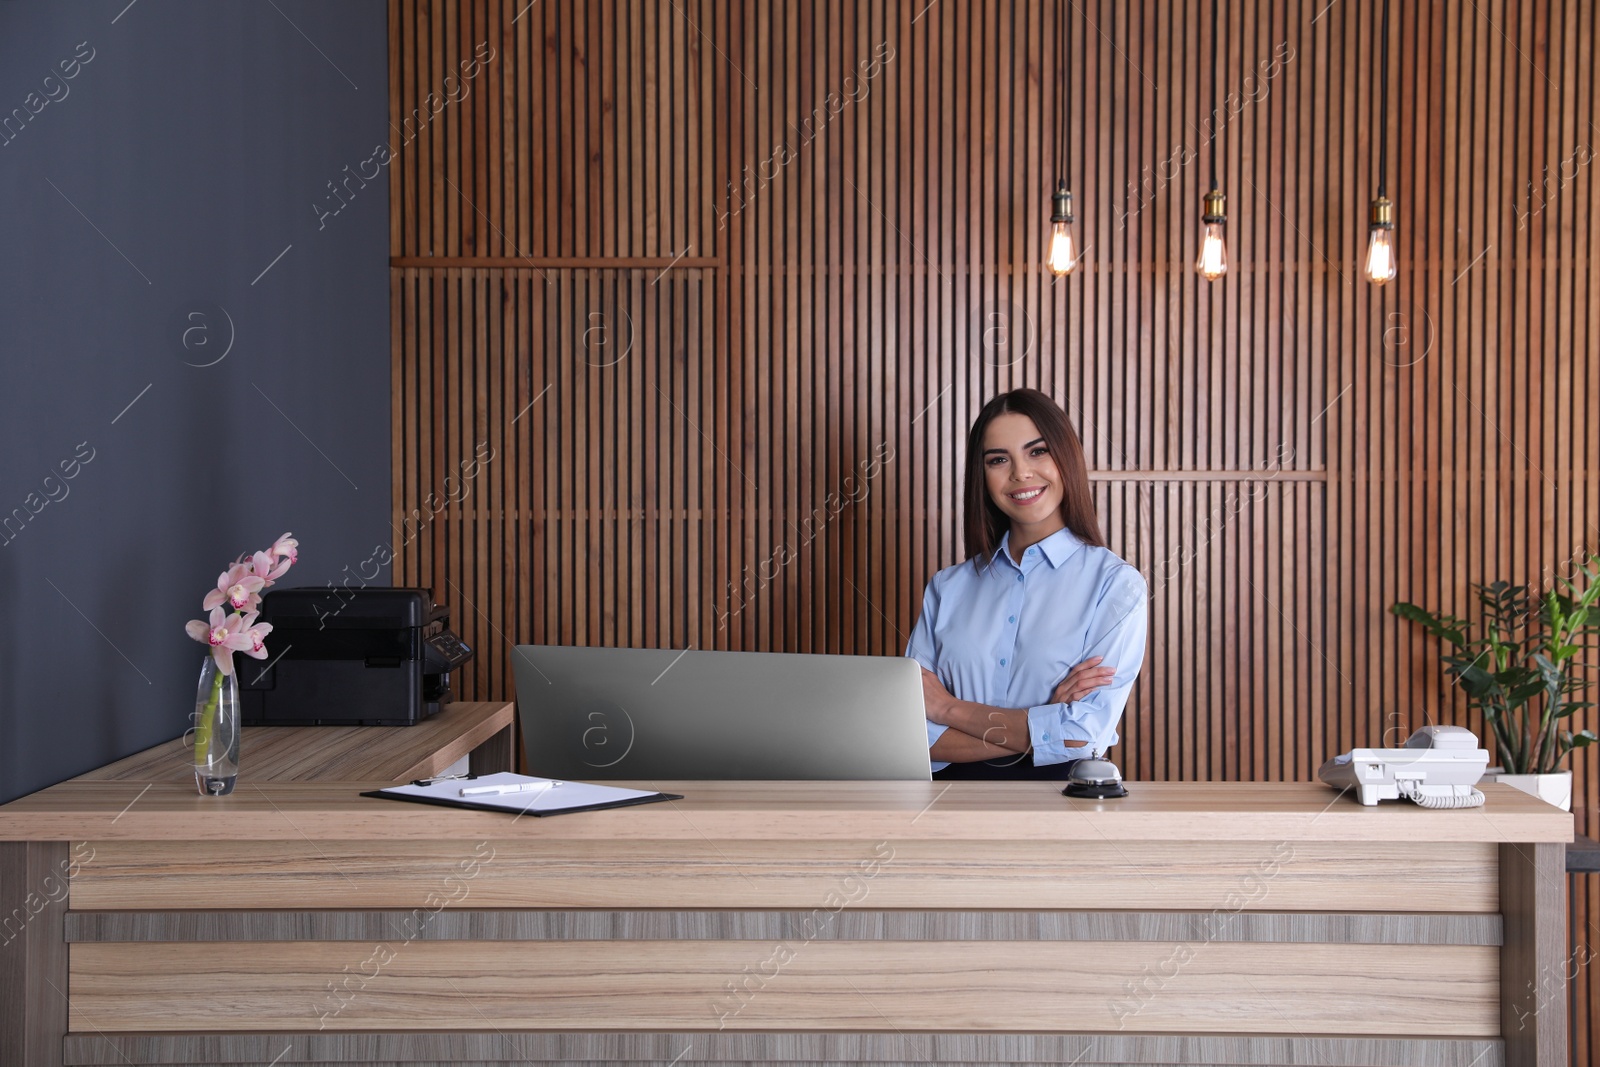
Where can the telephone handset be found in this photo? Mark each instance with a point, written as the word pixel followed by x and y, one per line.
pixel 1438 768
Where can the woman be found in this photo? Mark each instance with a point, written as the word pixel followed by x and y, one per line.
pixel 1039 593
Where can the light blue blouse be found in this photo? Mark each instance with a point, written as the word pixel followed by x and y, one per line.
pixel 1006 634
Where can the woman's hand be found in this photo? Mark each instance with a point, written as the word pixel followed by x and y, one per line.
pixel 1082 680
pixel 935 698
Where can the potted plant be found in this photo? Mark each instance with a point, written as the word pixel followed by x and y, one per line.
pixel 1518 668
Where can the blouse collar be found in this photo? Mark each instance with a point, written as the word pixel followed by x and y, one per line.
pixel 1057 548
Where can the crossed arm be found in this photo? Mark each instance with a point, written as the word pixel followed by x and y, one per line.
pixel 982 731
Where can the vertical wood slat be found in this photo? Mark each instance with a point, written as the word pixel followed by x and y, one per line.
pixel 1284 454
pixel 33 949
pixel 1534 958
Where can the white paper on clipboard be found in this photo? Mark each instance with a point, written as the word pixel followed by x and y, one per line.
pixel 566 796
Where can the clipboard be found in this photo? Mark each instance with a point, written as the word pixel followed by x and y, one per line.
pixel 560 799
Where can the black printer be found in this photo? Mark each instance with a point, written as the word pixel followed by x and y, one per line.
pixel 350 657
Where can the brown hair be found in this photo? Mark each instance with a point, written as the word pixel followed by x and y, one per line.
pixel 986 523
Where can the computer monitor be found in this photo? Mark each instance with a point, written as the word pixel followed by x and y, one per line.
pixel 640 713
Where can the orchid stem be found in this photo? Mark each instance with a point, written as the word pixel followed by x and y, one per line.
pixel 202 733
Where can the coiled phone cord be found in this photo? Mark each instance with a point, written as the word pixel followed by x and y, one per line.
pixel 1412 792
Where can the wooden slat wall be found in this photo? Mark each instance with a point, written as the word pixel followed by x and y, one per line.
pixel 725 385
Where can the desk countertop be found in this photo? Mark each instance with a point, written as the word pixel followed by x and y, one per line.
pixel 799 811
pixel 320 753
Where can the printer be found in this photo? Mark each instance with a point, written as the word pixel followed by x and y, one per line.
pixel 350 657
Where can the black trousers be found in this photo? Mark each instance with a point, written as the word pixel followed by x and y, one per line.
pixel 1005 768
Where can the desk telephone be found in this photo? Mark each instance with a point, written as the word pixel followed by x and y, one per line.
pixel 1438 768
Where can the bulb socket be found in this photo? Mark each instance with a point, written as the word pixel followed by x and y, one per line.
pixel 1382 214
pixel 1061 203
pixel 1216 207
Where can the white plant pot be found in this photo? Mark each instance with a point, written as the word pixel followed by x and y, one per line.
pixel 1551 788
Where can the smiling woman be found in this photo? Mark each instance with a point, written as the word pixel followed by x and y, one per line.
pixel 1030 647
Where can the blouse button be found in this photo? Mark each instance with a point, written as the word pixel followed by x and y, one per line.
pixel 1002 663
pixel 1019 577
pixel 1012 618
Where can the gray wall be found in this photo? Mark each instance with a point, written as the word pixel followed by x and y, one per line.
pixel 193 147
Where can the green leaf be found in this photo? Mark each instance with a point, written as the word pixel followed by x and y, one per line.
pixel 1591 593
pixel 1548 671
pixel 1553 611
pixel 1502 597
pixel 1476 681
pixel 1519 674
pixel 1519 696
pixel 1445 627
pixel 1561 652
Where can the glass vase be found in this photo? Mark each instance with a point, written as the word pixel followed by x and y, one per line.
pixel 216 730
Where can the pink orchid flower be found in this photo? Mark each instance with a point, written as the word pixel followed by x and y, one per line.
pixel 256 633
pixel 264 566
pixel 288 547
pixel 272 563
pixel 225 634
pixel 236 587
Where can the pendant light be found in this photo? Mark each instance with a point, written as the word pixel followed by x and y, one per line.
pixel 1380 245
pixel 1062 256
pixel 1212 262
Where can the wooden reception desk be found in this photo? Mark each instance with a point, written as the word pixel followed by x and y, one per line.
pixel 826 922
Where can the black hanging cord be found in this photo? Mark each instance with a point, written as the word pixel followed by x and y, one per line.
pixel 1061 96
pixel 1216 125
pixel 1383 107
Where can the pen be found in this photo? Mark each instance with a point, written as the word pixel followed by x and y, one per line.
pixel 441 778
pixel 519 787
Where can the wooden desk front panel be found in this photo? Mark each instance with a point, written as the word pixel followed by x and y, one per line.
pixel 959 967
pixel 532 873
pixel 1076 986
